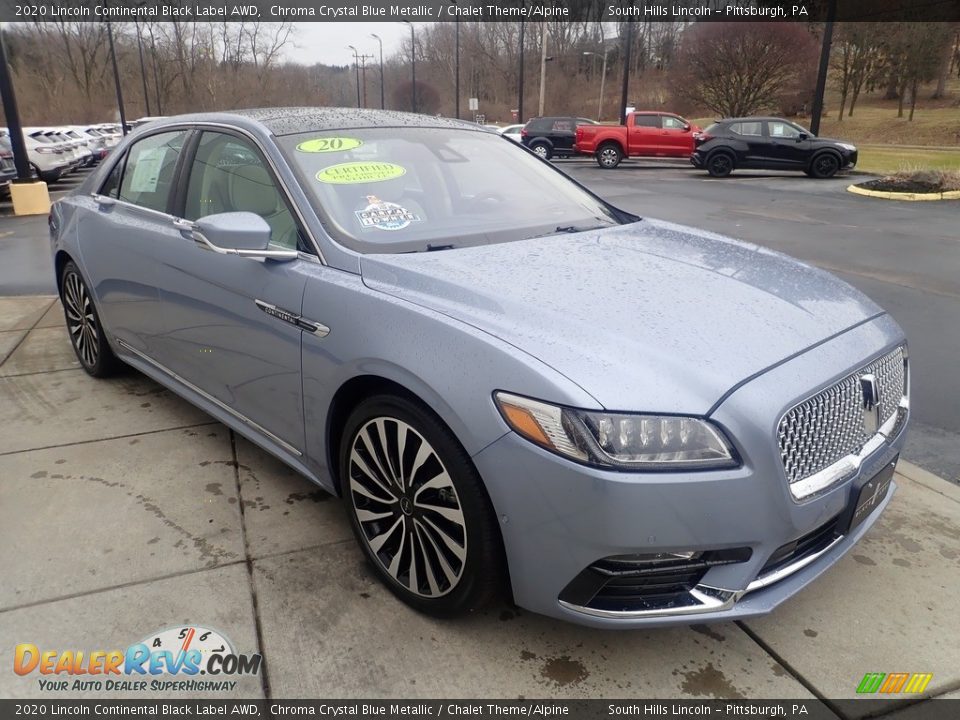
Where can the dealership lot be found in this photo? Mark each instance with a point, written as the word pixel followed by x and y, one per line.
pixel 124 510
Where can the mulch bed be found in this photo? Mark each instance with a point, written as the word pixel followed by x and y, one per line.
pixel 905 185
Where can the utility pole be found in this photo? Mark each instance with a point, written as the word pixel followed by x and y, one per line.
pixel 116 79
pixel 380 42
pixel 824 67
pixel 543 65
pixel 12 113
pixel 628 41
pixel 363 73
pixel 143 70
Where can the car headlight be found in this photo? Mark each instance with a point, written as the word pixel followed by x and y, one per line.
pixel 848 146
pixel 618 440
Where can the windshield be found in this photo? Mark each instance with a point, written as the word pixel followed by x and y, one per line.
pixel 389 190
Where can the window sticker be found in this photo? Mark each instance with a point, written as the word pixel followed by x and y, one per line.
pixel 352 173
pixel 384 215
pixel 329 144
pixel 146 171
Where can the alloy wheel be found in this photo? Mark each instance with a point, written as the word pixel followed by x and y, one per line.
pixel 407 507
pixel 720 165
pixel 541 150
pixel 825 165
pixel 81 319
pixel 609 157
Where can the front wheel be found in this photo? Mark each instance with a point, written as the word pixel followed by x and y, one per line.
pixel 609 156
pixel 418 508
pixel 83 325
pixel 824 166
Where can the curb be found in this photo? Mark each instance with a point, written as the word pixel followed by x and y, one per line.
pixel 926 478
pixel 908 196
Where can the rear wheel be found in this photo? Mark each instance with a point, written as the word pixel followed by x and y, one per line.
pixel 609 156
pixel 542 149
pixel 720 165
pixel 824 165
pixel 418 507
pixel 83 325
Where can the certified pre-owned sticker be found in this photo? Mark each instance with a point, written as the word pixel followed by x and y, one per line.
pixel 352 173
pixel 329 144
pixel 384 215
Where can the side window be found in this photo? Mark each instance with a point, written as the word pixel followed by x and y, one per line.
pixel 673 123
pixel 784 130
pixel 562 125
pixel 148 170
pixel 111 186
pixel 229 175
pixel 646 121
pixel 750 129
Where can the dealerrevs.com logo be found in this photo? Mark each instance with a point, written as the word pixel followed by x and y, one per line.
pixel 169 660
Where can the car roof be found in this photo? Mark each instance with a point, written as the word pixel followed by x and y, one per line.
pixel 292 120
pixel 753 118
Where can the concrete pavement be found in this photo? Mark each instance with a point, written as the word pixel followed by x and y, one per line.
pixel 124 510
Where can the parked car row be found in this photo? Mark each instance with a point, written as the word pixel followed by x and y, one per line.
pixel 55 152
pixel 755 143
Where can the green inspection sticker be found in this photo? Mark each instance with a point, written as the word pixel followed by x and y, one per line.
pixel 353 173
pixel 329 144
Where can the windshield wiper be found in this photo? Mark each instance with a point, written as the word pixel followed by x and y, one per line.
pixel 560 229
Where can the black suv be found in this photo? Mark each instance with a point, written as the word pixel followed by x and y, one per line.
pixel 552 137
pixel 769 143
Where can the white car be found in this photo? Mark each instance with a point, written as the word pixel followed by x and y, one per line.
pixel 49 161
pixel 511 131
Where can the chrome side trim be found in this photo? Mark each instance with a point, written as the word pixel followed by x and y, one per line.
pixel 787 570
pixel 210 398
pixel 706 599
pixel 318 329
pixel 847 466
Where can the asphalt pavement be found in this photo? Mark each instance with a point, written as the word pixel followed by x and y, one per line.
pixel 904 255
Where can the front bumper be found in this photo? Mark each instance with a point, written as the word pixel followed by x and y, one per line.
pixel 559 518
pixel 696 159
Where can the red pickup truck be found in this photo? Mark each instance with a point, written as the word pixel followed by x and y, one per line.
pixel 646 134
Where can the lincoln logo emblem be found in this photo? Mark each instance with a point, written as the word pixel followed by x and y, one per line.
pixel 871 403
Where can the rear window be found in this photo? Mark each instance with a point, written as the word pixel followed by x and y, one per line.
pixel 749 129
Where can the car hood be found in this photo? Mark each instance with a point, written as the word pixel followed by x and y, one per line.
pixel 650 316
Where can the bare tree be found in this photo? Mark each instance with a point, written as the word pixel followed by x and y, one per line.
pixel 742 68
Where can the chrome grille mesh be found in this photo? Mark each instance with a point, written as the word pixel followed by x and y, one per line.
pixel 829 426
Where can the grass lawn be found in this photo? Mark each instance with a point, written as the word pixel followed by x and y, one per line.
pixel 886 159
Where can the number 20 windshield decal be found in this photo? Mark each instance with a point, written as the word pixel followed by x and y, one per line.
pixel 329 144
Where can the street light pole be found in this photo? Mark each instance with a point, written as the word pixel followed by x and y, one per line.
pixel 543 66
pixel 12 113
pixel 626 72
pixel 143 69
pixel 413 66
pixel 817 110
pixel 356 65
pixel 603 77
pixel 456 21
pixel 377 38
pixel 116 79
pixel 520 80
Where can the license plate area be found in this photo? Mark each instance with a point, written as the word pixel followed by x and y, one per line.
pixel 871 494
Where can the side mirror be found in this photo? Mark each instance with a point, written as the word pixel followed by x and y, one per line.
pixel 236 233
pixel 802 136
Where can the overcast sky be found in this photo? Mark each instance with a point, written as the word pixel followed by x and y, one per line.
pixel 326 42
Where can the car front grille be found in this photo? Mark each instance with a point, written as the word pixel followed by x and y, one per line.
pixel 824 429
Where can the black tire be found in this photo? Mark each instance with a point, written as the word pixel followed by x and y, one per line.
pixel 609 156
pixel 720 164
pixel 402 537
pixel 543 150
pixel 83 325
pixel 825 165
